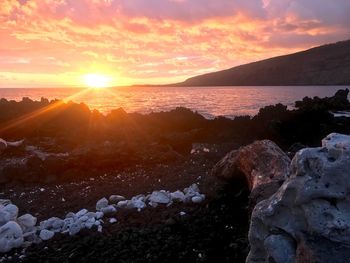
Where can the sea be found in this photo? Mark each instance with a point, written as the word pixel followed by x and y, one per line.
pixel 208 101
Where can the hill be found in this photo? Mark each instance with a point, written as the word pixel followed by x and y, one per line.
pixel 323 65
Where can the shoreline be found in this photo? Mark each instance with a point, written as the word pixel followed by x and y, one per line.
pixel 71 157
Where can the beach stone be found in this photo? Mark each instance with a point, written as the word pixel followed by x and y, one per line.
pixel 91 214
pixel 54 223
pixel 160 197
pixel 138 202
pixel 114 199
pixel 70 215
pixel 102 203
pixel 11 236
pixel 192 190
pixel 99 215
pixel 83 218
pixel 75 228
pixel 67 222
pixel 198 199
pixel 123 204
pixel 90 223
pixel 262 165
pixel 81 212
pixel 109 210
pixel 112 220
pixel 4 216
pixel 178 196
pixel 46 234
pixel 308 218
pixel 8 213
pixel 27 222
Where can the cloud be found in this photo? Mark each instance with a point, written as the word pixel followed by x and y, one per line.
pixel 142 40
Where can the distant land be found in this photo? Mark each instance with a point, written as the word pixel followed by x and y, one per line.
pixel 323 65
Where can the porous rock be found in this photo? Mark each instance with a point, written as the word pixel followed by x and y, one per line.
pixel 27 222
pixel 8 213
pixel 54 223
pixel 308 218
pixel 46 234
pixel 11 236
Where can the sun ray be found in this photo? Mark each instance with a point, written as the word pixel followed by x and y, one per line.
pixel 97 81
pixel 37 113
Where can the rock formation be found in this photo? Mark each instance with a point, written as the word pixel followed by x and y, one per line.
pixel 308 218
pixel 263 164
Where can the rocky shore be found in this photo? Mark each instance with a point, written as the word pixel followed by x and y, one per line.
pixel 77 185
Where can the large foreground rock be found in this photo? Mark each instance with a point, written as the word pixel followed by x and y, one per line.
pixel 308 218
pixel 263 164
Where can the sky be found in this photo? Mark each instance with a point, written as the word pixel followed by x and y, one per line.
pixel 55 43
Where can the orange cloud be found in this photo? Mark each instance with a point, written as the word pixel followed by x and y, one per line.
pixel 155 41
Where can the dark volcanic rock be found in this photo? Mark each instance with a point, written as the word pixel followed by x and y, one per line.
pixel 94 142
pixel 338 102
pixel 263 164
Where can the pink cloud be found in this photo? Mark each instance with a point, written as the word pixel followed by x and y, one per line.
pixel 124 34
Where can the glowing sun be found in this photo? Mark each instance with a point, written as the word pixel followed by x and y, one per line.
pixel 96 80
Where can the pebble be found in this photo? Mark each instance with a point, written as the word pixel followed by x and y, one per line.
pixel 109 210
pixel 178 196
pixel 198 199
pixel 74 228
pixel 99 215
pixel 102 203
pixel 11 210
pixel 160 197
pixel 81 212
pixel 27 221
pixel 11 236
pixel 122 204
pixel 114 199
pixel 112 220
pixel 46 234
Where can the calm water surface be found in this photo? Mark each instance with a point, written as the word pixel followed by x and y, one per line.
pixel 209 101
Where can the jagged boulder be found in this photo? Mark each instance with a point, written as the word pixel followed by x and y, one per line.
pixel 263 165
pixel 308 218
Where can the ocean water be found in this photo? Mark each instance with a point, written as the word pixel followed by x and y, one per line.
pixel 209 101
